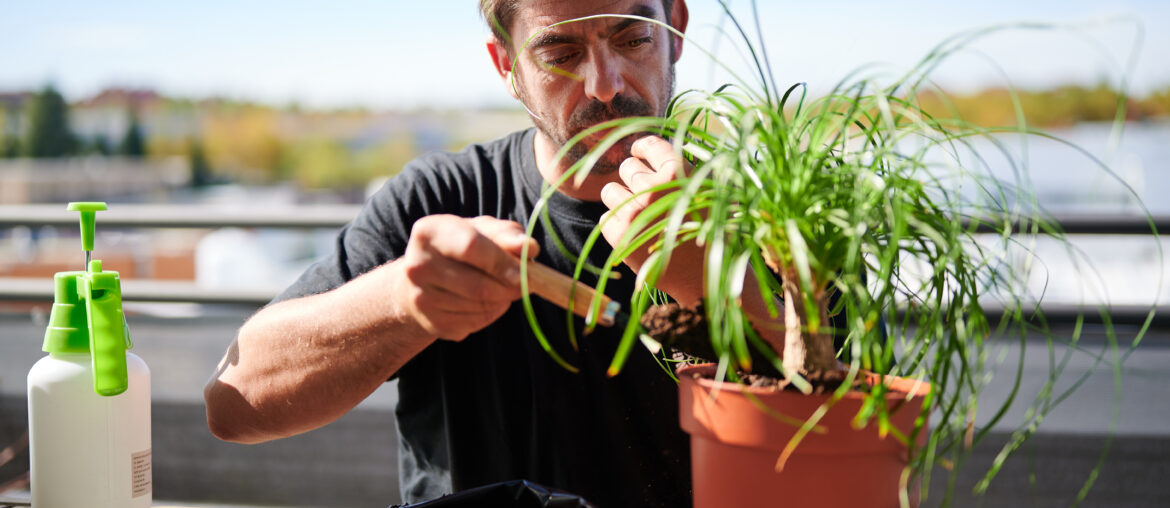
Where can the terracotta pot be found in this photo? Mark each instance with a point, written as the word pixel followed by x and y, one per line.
pixel 735 446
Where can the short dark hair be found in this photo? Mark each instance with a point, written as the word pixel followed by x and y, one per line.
pixel 500 13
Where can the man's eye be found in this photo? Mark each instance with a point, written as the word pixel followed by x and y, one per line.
pixel 559 60
pixel 638 42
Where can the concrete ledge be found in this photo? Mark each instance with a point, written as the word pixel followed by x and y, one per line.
pixel 351 462
pixel 1050 469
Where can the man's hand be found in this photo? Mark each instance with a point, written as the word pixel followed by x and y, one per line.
pixel 652 162
pixel 459 275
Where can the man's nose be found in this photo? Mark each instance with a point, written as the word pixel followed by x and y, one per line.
pixel 603 77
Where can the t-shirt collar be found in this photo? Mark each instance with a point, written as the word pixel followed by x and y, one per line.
pixel 559 203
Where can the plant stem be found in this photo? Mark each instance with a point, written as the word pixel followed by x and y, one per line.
pixel 805 350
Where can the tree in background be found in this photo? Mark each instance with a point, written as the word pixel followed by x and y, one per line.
pixel 1159 103
pixel 1061 106
pixel 97 145
pixel 9 143
pixel 132 144
pixel 48 133
pixel 245 142
pixel 200 169
pixel 9 146
pixel 4 153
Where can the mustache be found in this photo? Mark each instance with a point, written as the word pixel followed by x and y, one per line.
pixel 596 112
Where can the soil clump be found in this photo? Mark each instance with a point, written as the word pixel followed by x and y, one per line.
pixel 685 331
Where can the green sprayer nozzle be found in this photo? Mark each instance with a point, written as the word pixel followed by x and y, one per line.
pixel 87 314
pixel 88 209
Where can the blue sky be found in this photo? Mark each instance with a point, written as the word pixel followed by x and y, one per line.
pixel 404 54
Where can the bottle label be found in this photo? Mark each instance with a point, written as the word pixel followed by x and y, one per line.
pixel 140 477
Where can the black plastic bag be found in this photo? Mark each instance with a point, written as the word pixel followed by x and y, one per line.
pixel 512 494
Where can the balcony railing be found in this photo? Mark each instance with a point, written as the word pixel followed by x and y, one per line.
pixel 334 216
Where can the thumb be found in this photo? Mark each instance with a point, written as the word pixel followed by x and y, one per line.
pixel 508 236
pixel 514 245
pixel 512 238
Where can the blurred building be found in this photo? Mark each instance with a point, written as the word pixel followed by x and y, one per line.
pixel 89 179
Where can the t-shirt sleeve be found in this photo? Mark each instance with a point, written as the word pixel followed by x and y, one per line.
pixel 380 232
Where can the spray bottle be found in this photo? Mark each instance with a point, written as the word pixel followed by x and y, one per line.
pixel 89 399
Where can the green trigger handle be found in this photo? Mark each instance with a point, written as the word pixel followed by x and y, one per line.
pixel 102 293
pixel 107 329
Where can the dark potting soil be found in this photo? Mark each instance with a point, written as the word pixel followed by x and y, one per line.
pixel 684 329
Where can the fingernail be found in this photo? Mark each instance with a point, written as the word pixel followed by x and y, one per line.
pixel 513 275
pixel 637 143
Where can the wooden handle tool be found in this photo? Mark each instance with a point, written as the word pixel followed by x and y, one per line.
pixel 557 287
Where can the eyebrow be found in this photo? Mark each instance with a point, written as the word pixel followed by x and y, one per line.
pixel 547 38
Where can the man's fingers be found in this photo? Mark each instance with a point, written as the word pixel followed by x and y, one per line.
pixel 460 274
pixel 510 238
pixel 470 247
pixel 509 235
pixel 631 170
pixel 617 198
pixel 484 243
pixel 451 298
pixel 457 282
pixel 659 155
pixel 639 179
pixel 653 164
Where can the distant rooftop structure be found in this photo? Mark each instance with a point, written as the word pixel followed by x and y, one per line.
pixel 88 178
pixel 12 100
pixel 123 98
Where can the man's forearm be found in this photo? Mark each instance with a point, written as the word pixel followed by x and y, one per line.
pixel 300 364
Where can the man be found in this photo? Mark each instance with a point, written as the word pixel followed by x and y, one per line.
pixel 423 287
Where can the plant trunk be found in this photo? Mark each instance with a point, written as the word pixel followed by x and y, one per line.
pixel 805 350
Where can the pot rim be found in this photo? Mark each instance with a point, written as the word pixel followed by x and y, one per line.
pixel 899 387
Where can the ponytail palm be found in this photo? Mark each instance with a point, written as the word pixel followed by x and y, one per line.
pixel 858 204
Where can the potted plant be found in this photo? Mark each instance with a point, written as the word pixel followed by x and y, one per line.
pixel 874 237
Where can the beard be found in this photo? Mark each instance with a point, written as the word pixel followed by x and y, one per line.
pixel 593 113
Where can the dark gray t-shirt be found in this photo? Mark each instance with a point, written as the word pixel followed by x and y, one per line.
pixel 495 406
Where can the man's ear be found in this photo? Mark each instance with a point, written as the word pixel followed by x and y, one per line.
pixel 679 15
pixel 502 61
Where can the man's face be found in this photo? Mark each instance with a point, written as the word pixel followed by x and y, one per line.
pixel 579 74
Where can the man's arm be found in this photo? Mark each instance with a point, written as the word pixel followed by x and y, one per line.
pixel 300 364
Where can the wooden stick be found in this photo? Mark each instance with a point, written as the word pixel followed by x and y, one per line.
pixel 556 287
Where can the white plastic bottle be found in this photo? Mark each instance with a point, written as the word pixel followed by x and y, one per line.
pixel 89 399
pixel 90 451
